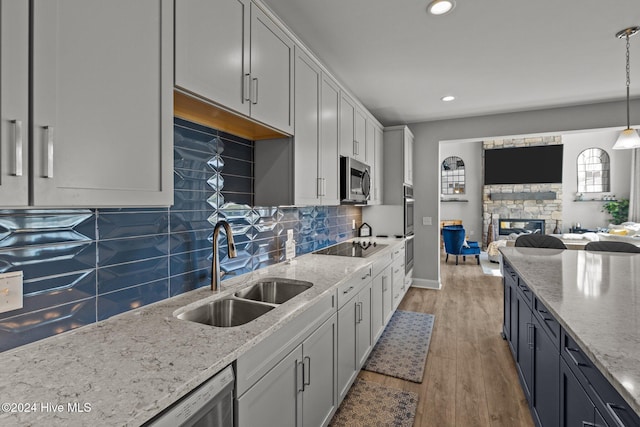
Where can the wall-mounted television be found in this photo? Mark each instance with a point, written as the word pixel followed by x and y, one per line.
pixel 523 165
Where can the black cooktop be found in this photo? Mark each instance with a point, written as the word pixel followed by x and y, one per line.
pixel 352 249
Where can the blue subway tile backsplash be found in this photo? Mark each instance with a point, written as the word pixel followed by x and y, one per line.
pixel 85 265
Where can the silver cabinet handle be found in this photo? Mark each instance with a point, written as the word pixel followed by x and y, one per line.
pixel 254 91
pixel 300 375
pixel 361 311
pixel 611 408
pixel 324 186
pixel 366 275
pixel 17 140
pixel 307 375
pixel 384 283
pixel 49 138
pixel 348 290
pixel 319 187
pixel 246 88
pixel 573 358
pixel 358 317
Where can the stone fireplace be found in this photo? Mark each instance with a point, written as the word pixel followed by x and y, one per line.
pixel 513 202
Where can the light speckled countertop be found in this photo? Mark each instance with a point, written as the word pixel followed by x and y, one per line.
pixel 132 366
pixel 596 298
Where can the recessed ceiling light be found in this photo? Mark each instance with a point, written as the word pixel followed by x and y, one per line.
pixel 448 98
pixel 440 7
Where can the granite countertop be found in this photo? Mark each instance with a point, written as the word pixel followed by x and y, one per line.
pixel 596 298
pixel 132 366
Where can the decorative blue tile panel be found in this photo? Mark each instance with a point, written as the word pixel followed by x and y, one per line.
pixel 190 261
pixel 187 221
pixel 119 225
pixel 33 326
pixel 40 294
pixel 122 276
pixel 128 299
pixel 21 230
pixel 112 252
pixel 190 241
pixel 189 281
pixel 42 261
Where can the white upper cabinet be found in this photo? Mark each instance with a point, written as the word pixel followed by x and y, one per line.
pixel 408 157
pixel 14 108
pixel 308 178
pixel 398 163
pixel 329 140
pixel 377 166
pixel 347 122
pixel 271 86
pixel 212 50
pixel 231 53
pixel 361 135
pixel 102 103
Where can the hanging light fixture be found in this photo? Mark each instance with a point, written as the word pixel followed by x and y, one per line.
pixel 628 138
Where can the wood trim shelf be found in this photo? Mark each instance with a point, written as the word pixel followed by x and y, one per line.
pixel 195 110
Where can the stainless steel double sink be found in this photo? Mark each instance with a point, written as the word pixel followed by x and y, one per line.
pixel 247 304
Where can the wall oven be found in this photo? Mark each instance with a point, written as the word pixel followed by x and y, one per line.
pixel 408 227
pixel 355 181
pixel 408 253
pixel 408 210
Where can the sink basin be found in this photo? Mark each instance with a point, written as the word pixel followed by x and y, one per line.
pixel 274 291
pixel 226 312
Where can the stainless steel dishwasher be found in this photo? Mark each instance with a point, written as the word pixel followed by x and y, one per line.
pixel 209 405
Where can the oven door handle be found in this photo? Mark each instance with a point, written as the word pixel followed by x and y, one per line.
pixel 409 237
pixel 409 200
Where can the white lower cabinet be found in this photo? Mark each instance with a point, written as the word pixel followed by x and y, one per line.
pixel 380 302
pixel 354 338
pixel 290 379
pixel 276 399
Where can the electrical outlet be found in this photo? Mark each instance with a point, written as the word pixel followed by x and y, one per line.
pixel 471 233
pixel 426 220
pixel 353 224
pixel 10 291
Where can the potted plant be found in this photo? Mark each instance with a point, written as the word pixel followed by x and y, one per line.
pixel 618 209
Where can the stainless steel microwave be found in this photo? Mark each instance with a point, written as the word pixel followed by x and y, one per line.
pixel 355 181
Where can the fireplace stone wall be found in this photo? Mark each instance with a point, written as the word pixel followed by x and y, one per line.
pixel 536 201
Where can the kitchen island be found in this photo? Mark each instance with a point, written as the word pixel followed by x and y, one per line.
pixel 127 369
pixel 579 310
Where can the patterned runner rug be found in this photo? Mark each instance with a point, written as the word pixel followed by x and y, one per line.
pixel 402 349
pixel 373 404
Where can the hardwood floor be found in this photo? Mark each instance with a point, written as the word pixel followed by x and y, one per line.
pixel 470 377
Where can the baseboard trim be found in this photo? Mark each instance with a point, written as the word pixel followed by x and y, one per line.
pixel 426 284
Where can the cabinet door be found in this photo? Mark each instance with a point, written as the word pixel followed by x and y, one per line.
pixel 275 400
pixel 378 171
pixel 546 377
pixel 320 396
pixel 329 141
pixel 576 409
pixel 271 73
pixel 14 97
pixel 397 283
pixel 308 184
pixel 347 369
pixel 506 324
pixel 212 47
pixel 364 325
pixel 525 345
pixel 102 129
pixel 377 306
pixel 513 337
pixel 408 158
pixel 347 122
pixel 387 296
pixel 360 129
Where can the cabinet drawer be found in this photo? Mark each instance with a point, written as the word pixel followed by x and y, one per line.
pixel 525 292
pixel 398 253
pixel 381 263
pixel 510 276
pixel 255 363
pixel 351 287
pixel 547 321
pixel 608 401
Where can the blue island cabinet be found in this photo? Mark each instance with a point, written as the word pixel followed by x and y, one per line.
pixel 561 384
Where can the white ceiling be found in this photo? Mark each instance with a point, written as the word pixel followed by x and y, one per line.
pixel 494 55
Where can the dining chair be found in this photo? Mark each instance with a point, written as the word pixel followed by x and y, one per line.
pixel 612 247
pixel 539 241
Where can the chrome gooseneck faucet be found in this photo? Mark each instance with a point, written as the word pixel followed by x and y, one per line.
pixel 231 248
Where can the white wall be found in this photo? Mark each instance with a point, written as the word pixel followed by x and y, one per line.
pixel 428 136
pixel 589 213
pixel 469 212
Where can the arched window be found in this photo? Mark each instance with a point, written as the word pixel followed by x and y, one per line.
pixel 452 181
pixel 593 171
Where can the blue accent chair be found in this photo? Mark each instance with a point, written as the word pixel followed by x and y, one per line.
pixel 453 237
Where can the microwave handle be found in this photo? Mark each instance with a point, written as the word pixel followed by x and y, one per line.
pixel 366 177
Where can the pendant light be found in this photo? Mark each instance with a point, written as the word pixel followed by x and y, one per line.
pixel 628 138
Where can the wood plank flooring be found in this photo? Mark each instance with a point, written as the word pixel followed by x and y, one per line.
pixel 470 377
